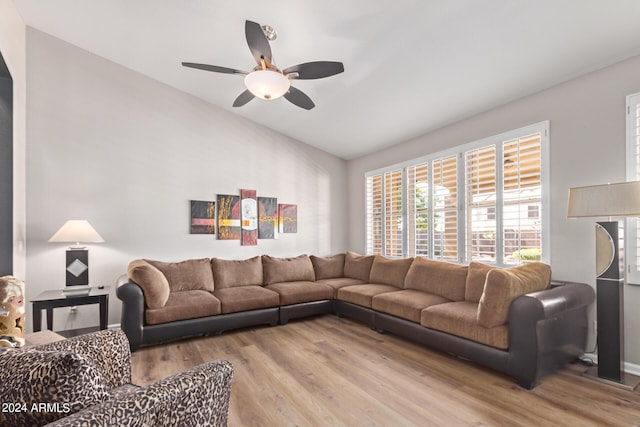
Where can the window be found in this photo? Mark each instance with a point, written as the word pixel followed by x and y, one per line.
pixel 483 201
pixel 632 236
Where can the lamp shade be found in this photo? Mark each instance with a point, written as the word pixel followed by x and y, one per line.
pixel 76 230
pixel 267 84
pixel 608 200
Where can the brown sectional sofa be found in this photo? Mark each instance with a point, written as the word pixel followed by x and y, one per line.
pixel 513 320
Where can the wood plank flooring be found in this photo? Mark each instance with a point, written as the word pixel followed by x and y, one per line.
pixel 327 371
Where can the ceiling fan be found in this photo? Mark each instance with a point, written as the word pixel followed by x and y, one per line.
pixel 267 81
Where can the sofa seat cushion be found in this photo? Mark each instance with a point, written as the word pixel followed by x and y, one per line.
pixel 407 304
pixel 503 285
pixel 232 273
pixel 386 271
pixel 245 298
pixel 186 275
pixel 329 267
pixel 276 270
pixel 153 282
pixel 437 277
pixel 358 266
pixel 340 282
pixel 459 318
pixel 363 294
pixel 302 291
pixel 184 305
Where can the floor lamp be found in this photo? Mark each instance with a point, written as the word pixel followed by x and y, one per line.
pixel 609 200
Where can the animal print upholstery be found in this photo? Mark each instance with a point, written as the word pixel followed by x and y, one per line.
pixel 109 349
pixel 92 375
pixel 196 397
pixel 37 387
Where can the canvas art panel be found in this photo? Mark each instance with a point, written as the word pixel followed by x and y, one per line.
pixel 267 218
pixel 203 217
pixel 249 217
pixel 228 217
pixel 288 218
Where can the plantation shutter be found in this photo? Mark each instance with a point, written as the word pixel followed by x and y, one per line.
pixel 521 199
pixel 374 214
pixel 393 214
pixel 445 208
pixel 418 210
pixel 480 180
pixel 632 258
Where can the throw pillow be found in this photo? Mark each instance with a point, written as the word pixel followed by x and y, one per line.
pixel 476 276
pixel 328 267
pixel 358 266
pixel 154 284
pixel 387 271
pixel 277 270
pixel 503 285
pixel 47 386
pixel 189 275
pixel 232 273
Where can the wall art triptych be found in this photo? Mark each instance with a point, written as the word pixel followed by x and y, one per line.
pixel 245 217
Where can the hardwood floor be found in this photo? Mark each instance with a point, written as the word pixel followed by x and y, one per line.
pixel 327 371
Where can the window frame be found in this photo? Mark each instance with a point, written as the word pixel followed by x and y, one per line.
pixel 632 225
pixel 459 151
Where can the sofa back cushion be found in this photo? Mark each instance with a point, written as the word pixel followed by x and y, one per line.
pixel 276 270
pixel 503 285
pixel 70 381
pixel 189 275
pixel 232 273
pixel 154 284
pixel 387 271
pixel 358 266
pixel 328 267
pixel 476 276
pixel 441 278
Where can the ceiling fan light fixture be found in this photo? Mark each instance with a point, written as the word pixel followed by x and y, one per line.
pixel 267 84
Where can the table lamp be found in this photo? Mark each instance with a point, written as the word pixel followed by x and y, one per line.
pixel 609 200
pixel 77 260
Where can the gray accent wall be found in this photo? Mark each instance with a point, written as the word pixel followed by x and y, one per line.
pixel 6 170
pixel 13 48
pixel 128 153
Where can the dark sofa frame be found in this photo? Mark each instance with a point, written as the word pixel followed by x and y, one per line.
pixel 547 329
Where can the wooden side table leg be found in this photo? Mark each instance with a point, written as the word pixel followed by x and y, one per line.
pixel 103 313
pixel 50 319
pixel 37 318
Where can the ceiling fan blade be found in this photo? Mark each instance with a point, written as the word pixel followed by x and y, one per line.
pixel 257 41
pixel 244 97
pixel 299 98
pixel 314 70
pixel 214 68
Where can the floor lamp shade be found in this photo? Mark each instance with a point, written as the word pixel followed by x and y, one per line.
pixel 77 256
pixel 609 200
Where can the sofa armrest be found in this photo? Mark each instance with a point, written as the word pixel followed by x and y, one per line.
pixel 198 396
pixel 132 320
pixel 108 349
pixel 547 329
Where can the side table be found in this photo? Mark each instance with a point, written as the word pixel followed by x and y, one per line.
pixel 49 300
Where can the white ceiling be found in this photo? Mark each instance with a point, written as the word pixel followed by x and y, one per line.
pixel 411 66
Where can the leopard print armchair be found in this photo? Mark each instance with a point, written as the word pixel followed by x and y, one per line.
pixel 86 381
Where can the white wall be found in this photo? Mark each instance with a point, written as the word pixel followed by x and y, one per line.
pixel 128 153
pixel 12 46
pixel 587 146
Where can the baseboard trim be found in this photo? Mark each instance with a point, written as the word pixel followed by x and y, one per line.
pixel 114 326
pixel 630 368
